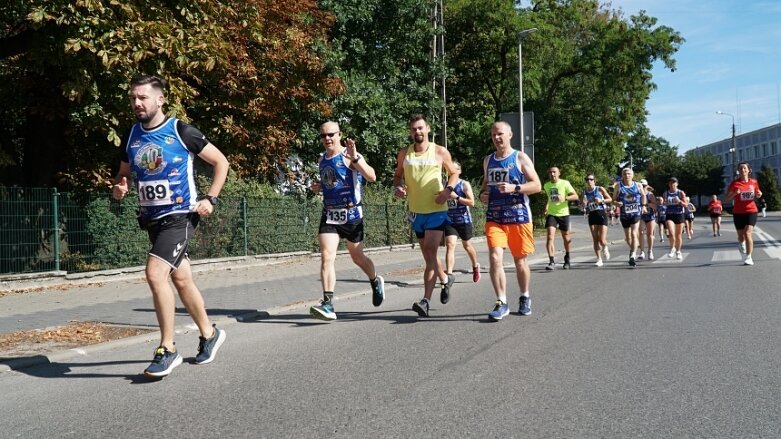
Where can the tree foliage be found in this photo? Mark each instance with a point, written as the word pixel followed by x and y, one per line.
pixel 768 182
pixel 242 70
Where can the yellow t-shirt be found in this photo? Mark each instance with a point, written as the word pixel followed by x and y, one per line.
pixel 423 177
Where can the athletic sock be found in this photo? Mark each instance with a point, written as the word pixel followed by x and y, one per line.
pixel 551 259
pixel 503 298
pixel 328 296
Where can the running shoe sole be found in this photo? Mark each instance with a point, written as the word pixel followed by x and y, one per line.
pixel 377 299
pixel 319 314
pixel 419 309
pixel 164 373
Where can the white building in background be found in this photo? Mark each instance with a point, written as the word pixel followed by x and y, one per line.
pixel 759 148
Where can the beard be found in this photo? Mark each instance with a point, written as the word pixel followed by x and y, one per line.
pixel 146 116
pixel 419 138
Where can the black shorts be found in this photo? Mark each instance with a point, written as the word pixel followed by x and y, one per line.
pixel 661 220
pixel 676 218
pixel 741 220
pixel 559 222
pixel 351 232
pixel 597 218
pixel 464 231
pixel 627 221
pixel 170 236
pixel 689 216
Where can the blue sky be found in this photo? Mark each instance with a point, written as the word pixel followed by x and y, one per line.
pixel 730 62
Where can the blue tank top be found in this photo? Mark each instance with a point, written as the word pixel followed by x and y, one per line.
pixel 630 196
pixel 671 199
pixel 661 211
pixel 458 213
pixel 649 213
pixel 506 208
pixel 594 200
pixel 342 190
pixel 162 167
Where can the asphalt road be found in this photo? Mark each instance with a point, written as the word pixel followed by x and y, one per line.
pixel 669 349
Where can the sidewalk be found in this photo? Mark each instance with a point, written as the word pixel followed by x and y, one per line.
pixel 234 290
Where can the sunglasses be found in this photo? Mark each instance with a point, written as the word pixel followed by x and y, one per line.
pixel 589 178
pixel 324 135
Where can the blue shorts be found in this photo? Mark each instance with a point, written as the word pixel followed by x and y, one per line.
pixel 429 221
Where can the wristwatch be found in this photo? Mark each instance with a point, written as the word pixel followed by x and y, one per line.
pixel 211 199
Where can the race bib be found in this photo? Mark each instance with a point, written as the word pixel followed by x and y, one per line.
pixel 631 208
pixel 747 196
pixel 336 216
pixel 451 203
pixel 498 175
pixel 154 193
pixel 593 206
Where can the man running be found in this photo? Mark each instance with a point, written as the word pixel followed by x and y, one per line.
pixel 560 192
pixel 509 178
pixel 342 171
pixel 630 197
pixel 420 167
pixel 159 153
pixel 595 199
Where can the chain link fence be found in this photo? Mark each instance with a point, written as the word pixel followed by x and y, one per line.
pixel 44 230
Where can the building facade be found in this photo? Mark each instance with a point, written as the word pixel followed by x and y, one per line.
pixel 759 148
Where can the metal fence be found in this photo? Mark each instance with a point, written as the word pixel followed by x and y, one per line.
pixel 44 230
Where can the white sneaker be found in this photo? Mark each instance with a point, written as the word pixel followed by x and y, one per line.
pixel 650 255
pixel 678 256
pixel 743 247
pixel 599 263
pixel 748 261
pixel 642 255
pixel 671 254
pixel 606 253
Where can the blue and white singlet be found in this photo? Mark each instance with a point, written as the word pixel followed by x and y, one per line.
pixel 510 208
pixel 342 190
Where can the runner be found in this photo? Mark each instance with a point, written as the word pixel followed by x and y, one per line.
pixel 342 171
pixel 509 178
pixel 595 199
pixel 629 196
pixel 420 166
pixel 675 200
pixel 661 219
pixel 714 209
pixel 744 190
pixel 158 153
pixel 648 226
pixel 461 199
pixel 688 216
pixel 560 192
pixel 762 204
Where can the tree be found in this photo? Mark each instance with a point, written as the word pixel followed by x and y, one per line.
pixel 380 49
pixel 243 69
pixel 586 74
pixel 768 182
pixel 700 174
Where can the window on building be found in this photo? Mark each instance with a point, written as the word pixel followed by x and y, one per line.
pixel 764 150
pixel 773 148
pixel 740 155
pixel 756 151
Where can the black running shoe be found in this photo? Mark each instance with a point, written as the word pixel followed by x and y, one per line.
pixel 378 291
pixel 444 294
pixel 421 308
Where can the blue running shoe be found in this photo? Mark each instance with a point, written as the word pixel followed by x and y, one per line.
pixel 207 348
pixel 421 308
pixel 164 362
pixel 324 311
pixel 378 290
pixel 444 294
pixel 500 310
pixel 525 307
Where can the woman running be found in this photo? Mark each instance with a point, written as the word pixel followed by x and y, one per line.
pixel 744 190
pixel 594 199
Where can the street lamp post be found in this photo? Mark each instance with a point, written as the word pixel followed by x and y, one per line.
pixel 521 35
pixel 732 149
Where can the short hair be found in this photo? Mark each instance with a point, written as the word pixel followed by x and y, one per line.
pixel 143 79
pixel 504 124
pixel 416 117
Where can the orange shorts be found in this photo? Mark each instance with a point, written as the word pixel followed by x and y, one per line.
pixel 519 237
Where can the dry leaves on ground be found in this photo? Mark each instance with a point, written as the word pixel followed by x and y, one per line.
pixel 75 334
